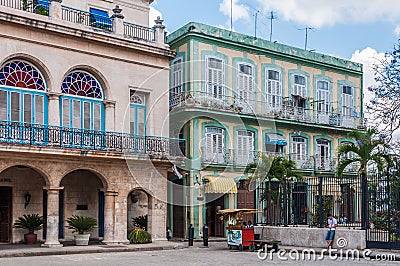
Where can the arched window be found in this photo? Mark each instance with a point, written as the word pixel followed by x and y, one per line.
pixel 81 103
pixel 22 93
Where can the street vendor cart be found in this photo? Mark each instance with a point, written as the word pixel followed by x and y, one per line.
pixel 238 235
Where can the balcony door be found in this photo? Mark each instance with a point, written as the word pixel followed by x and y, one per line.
pixel 323 154
pixel 245 147
pixel 214 151
pixel 323 102
pixel 5 213
pixel 245 93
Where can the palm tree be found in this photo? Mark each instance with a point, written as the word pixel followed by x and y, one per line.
pixel 272 170
pixel 367 149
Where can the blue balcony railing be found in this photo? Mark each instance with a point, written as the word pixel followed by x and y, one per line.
pixel 62 137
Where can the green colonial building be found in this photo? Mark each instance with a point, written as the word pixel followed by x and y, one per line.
pixel 234 97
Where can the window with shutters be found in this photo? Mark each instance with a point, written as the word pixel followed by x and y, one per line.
pixel 348 109
pixel 214 151
pixel 245 86
pixel 22 93
pixel 176 77
pixel 245 147
pixel 299 150
pixel 137 124
pixel 323 159
pixel 82 101
pixel 323 101
pixel 273 88
pixel 299 87
pixel 215 78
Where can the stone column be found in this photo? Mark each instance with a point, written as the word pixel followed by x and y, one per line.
pixel 54 108
pixel 160 31
pixel 52 217
pixel 157 214
pixel 118 21
pixel 55 9
pixel 109 115
pixel 111 236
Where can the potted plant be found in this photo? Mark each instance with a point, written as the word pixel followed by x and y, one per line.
pixel 81 225
pixel 139 236
pixel 31 222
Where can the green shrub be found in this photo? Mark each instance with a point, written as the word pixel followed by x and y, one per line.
pixel 31 222
pixel 140 221
pixel 81 224
pixel 139 236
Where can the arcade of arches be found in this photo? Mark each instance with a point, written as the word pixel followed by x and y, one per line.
pixel 59 188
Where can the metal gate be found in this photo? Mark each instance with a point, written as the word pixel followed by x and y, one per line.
pixel 383 219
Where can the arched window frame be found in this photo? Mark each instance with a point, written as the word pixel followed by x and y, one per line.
pixel 93 119
pixel 23 90
pixel 137 123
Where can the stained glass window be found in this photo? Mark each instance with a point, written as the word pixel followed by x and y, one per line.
pixel 81 83
pixel 22 74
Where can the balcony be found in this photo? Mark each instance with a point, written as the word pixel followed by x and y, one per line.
pixel 87 19
pixel 263 109
pixel 89 140
pixel 241 158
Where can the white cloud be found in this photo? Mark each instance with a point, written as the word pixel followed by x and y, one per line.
pixel 397 30
pixel 320 13
pixel 238 11
pixel 368 57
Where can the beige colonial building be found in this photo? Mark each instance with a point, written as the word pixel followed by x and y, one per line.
pixel 83 115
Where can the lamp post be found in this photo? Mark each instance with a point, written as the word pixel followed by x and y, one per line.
pixel 274 186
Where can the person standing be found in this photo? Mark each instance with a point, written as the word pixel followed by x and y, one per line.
pixel 330 235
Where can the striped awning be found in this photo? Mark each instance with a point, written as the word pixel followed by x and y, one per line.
pixel 220 184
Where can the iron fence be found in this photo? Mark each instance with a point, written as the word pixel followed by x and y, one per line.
pixel 308 202
pixel 62 137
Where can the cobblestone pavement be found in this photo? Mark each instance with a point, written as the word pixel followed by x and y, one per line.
pixel 216 254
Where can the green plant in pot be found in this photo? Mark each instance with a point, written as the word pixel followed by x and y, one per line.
pixel 31 222
pixel 139 236
pixel 81 225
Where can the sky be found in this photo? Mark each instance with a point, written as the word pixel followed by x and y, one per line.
pixel 359 30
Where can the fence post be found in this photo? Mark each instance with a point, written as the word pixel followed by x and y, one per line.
pixel 55 10
pixel 285 209
pixel 320 202
pixel 364 201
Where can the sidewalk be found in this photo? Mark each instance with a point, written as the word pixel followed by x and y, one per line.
pixel 22 250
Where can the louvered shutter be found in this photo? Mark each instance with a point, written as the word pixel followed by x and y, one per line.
pixel 27 108
pixel 209 147
pixel 66 113
pixel 97 116
pixel 3 105
pixel 15 106
pixel 39 109
pixel 220 147
pixel 141 121
pixel 86 115
pixel 76 114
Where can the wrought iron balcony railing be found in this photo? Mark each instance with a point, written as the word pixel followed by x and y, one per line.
pixel 33 6
pixel 263 109
pixel 61 137
pixel 86 18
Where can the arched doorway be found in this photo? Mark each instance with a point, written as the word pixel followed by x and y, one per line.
pixel 138 210
pixel 83 194
pixel 21 192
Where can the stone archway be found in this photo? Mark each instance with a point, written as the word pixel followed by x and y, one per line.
pixel 138 207
pixel 82 194
pixel 21 192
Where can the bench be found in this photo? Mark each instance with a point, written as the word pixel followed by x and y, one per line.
pixel 264 243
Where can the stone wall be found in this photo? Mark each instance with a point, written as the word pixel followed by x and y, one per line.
pixel 311 237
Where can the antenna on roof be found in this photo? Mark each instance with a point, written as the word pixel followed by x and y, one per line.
pixel 231 15
pixel 271 18
pixel 255 23
pixel 306 29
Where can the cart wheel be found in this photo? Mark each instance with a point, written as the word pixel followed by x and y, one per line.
pixel 252 247
pixel 240 247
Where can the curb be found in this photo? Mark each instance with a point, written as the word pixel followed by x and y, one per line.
pixel 87 251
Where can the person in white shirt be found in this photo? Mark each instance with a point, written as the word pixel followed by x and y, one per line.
pixel 330 235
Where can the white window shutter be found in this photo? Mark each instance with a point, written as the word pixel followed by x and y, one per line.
pixel 76 114
pixel 27 108
pixel 3 105
pixel 15 106
pixel 97 116
pixel 65 113
pixel 39 109
pixel 86 115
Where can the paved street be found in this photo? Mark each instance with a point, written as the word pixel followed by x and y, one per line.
pixel 217 254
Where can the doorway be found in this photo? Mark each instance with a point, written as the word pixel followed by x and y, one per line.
pixel 5 214
pixel 215 225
